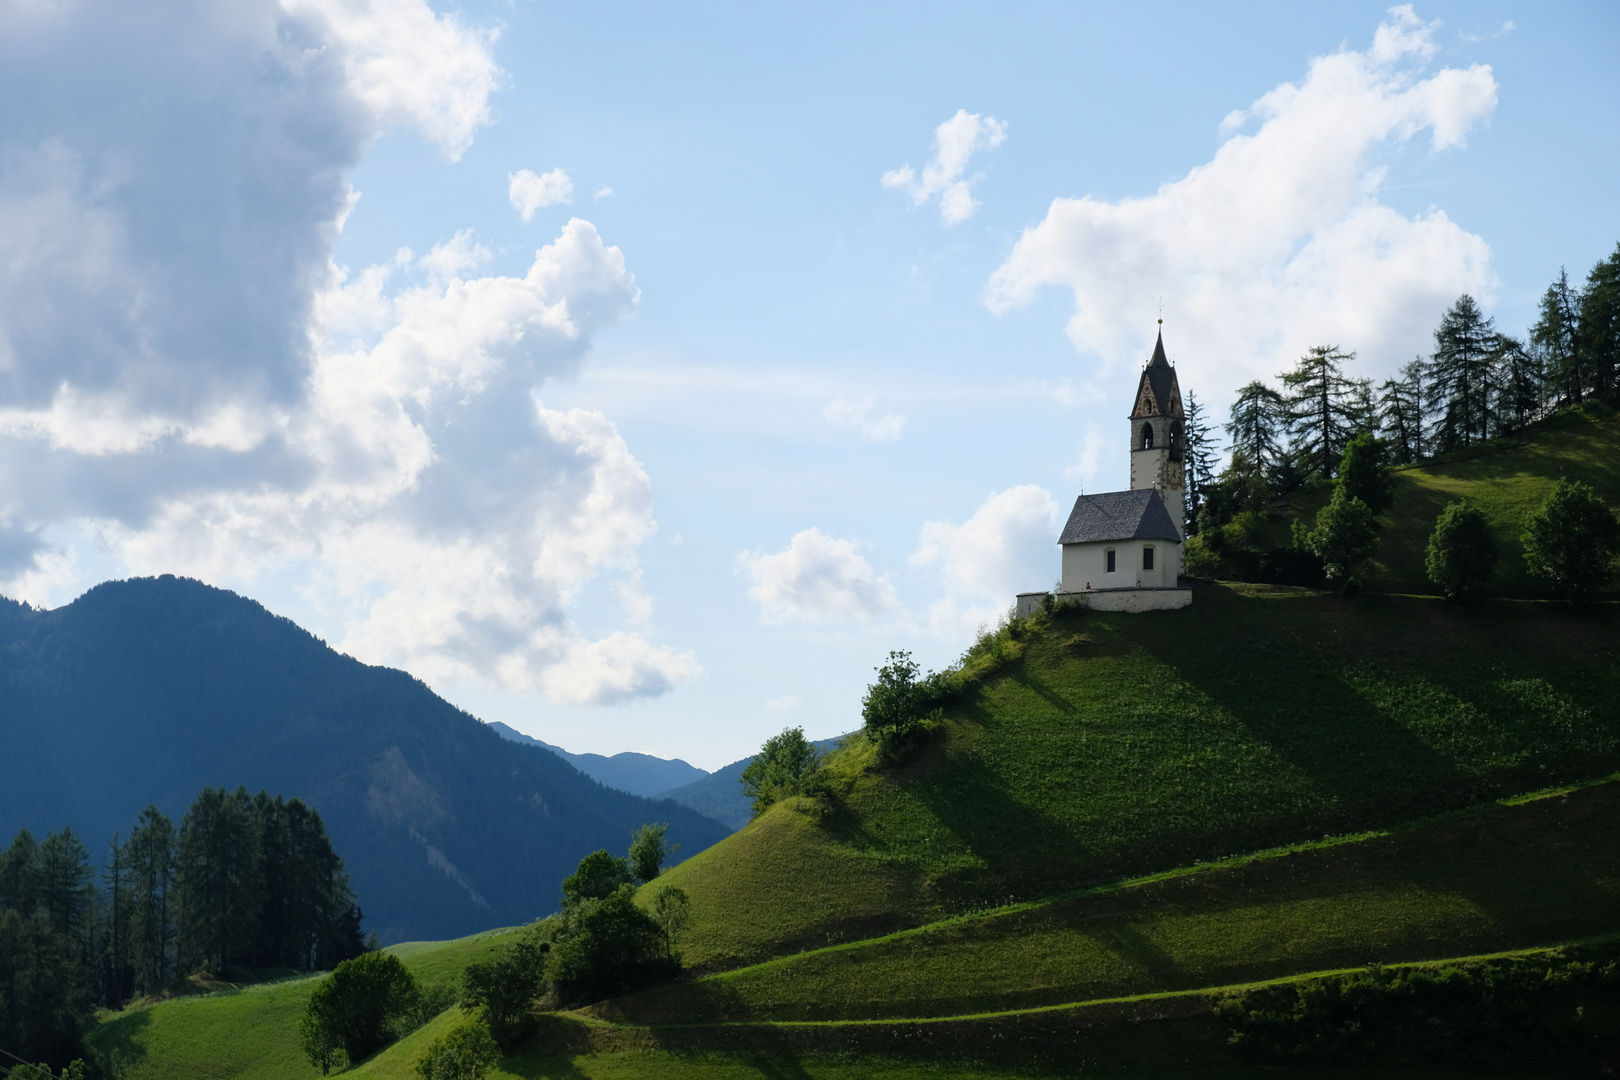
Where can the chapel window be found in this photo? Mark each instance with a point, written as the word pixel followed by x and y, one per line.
pixel 1109 559
pixel 1147 436
pixel 1147 558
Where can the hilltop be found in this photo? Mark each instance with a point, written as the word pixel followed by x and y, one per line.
pixel 145 691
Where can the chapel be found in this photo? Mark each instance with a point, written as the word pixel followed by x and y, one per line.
pixel 1122 549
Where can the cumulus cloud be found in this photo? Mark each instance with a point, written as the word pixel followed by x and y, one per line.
pixel 817 579
pixel 857 416
pixel 955 143
pixel 188 384
pixel 1008 546
pixel 529 192
pixel 1280 242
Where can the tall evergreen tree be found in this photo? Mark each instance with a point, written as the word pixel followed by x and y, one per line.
pixel 1557 336
pixel 150 855
pixel 1519 379
pixel 65 886
pixel 116 969
pixel 1599 329
pixel 306 892
pixel 1321 407
pixel 219 879
pixel 1400 414
pixel 1256 430
pixel 1199 454
pixel 1461 375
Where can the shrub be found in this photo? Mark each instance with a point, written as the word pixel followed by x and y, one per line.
pixel 607 947
pixel 464 1053
pixel 1462 554
pixel 898 707
pixel 362 1006
pixel 648 850
pixel 506 987
pixel 1364 472
pixel 788 764
pixel 598 875
pixel 1343 539
pixel 1571 541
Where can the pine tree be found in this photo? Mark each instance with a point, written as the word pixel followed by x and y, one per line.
pixel 1461 375
pixel 1321 407
pixel 150 854
pixel 65 885
pixel 1400 414
pixel 1200 459
pixel 1556 335
pixel 1599 329
pixel 1256 430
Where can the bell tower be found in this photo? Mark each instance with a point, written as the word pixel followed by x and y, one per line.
pixel 1157 438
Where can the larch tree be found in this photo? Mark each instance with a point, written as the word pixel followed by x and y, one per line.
pixel 1256 430
pixel 1556 334
pixel 1400 413
pixel 1599 329
pixel 1322 407
pixel 1461 375
pixel 219 878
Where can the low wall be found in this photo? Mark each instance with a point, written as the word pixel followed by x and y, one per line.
pixel 1028 603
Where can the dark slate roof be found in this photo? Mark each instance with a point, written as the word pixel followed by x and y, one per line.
pixel 1119 515
pixel 1161 378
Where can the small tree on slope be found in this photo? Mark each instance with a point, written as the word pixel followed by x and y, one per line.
pixel 1572 540
pixel 1461 554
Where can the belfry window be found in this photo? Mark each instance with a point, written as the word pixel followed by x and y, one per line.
pixel 1147 558
pixel 1147 436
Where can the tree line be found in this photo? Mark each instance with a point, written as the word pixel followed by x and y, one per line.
pixel 1477 384
pixel 246 880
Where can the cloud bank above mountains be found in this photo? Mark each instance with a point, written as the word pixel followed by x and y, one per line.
pixel 189 384
pixel 1280 242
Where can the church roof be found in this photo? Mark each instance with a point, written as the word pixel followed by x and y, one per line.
pixel 1158 394
pixel 1119 515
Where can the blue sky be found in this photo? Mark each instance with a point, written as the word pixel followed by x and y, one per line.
pixel 753 415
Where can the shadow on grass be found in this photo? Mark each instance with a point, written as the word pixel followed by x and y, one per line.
pixel 119 1044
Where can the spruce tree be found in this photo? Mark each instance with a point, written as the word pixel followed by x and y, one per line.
pixel 1556 335
pixel 150 854
pixel 1322 408
pixel 219 879
pixel 1599 329
pixel 1199 466
pixel 1256 430
pixel 1461 375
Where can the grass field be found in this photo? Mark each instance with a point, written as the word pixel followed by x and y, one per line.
pixel 1121 745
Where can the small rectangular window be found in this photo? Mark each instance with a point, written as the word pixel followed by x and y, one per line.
pixel 1110 560
pixel 1147 558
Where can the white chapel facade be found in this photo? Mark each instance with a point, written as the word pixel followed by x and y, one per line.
pixel 1122 550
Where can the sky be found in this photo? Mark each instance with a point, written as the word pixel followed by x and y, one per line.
pixel 640 375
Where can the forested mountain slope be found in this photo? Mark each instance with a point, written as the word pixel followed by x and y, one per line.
pixel 145 691
pixel 639 774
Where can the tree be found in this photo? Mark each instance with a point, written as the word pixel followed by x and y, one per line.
pixel 1364 472
pixel 116 880
pixel 45 998
pixel 220 881
pixel 506 987
pixel 897 708
pixel 365 1003
pixel 1557 335
pixel 304 918
pixel 1599 328
pixel 1462 554
pixel 788 764
pixel 672 910
pixel 1199 456
pixel 1320 407
pixel 1400 413
pixel 1520 382
pixel 1344 537
pixel 150 853
pixel 648 850
pixel 598 876
pixel 1256 428
pixel 1572 541
pixel 606 947
pixel 1461 372
pixel 466 1052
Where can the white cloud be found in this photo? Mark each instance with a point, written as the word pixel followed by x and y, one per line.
pixel 785 703
pixel 602 193
pixel 857 416
pixel 188 385
pixel 955 143
pixel 1280 242
pixel 817 579
pixel 1008 546
pixel 529 192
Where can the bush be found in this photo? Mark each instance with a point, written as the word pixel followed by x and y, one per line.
pixel 365 1003
pixel 788 764
pixel 1343 539
pixel 506 987
pixel 607 947
pixel 464 1053
pixel 1571 541
pixel 897 708
pixel 648 850
pixel 1462 554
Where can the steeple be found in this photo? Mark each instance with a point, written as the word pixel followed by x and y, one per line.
pixel 1156 430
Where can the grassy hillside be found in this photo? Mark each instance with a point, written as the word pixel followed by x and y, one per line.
pixel 1118 745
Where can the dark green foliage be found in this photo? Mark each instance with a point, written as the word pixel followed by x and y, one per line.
pixel 1600 322
pixel 142 692
pixel 1320 409
pixel 599 875
pixel 901 705
pixel 1462 555
pixel 45 997
pixel 466 1052
pixel 365 1004
pixel 1199 460
pixel 1557 337
pixel 672 911
pixel 648 850
pixel 1344 537
pixel 788 764
pixel 506 988
pixel 1400 414
pixel 1520 383
pixel 1256 428
pixel 74 1070
pixel 1461 374
pixel 220 878
pixel 1540 1013
pixel 1572 541
pixel 149 855
pixel 1364 472
pixel 607 947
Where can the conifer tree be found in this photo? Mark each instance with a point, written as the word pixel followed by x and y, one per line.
pixel 219 878
pixel 1599 329
pixel 1322 407
pixel 1461 375
pixel 1556 335
pixel 1199 452
pixel 1400 414
pixel 1256 430
pixel 150 855
pixel 1519 379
